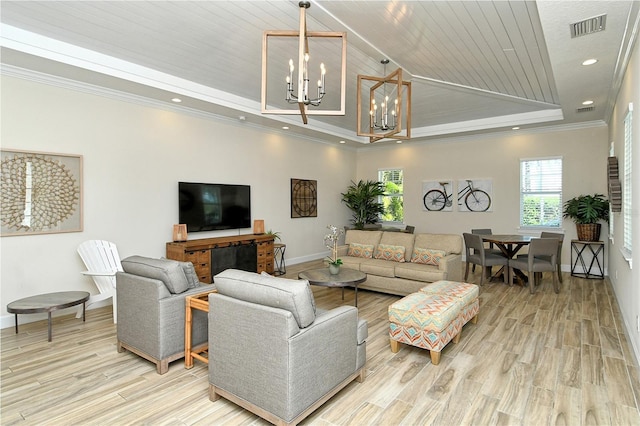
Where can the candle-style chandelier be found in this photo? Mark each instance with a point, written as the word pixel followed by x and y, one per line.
pixel 388 107
pixel 299 89
pixel 292 98
pixel 379 119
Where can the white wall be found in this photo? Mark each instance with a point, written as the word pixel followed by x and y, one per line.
pixel 624 279
pixel 134 155
pixel 495 157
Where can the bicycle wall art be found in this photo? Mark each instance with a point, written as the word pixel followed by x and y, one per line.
pixel 471 195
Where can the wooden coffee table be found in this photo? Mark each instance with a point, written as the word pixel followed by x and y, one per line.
pixel 345 278
pixel 48 303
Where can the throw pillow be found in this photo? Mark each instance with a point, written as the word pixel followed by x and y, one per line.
pixel 190 273
pixel 388 252
pixel 427 256
pixel 360 250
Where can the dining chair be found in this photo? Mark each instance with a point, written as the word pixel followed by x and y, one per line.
pixel 488 246
pixel 560 238
pixel 542 256
pixel 476 254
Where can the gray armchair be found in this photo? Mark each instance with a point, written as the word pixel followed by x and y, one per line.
pixel 151 309
pixel 273 353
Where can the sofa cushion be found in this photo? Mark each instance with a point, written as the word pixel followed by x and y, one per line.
pixel 451 243
pixel 294 296
pixel 389 252
pixel 381 268
pixel 353 262
pixel 170 272
pixel 362 237
pixel 399 239
pixel 419 272
pixel 427 256
pixel 360 250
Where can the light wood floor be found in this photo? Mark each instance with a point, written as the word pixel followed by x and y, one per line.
pixel 530 360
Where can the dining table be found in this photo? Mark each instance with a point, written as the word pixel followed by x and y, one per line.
pixel 510 245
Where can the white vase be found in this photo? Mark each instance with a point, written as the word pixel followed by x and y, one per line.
pixel 334 269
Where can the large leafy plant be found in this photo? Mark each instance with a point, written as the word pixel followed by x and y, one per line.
pixel 362 199
pixel 586 209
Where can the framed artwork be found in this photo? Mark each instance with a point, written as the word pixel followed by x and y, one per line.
pixel 436 195
pixel 474 195
pixel 41 193
pixel 304 198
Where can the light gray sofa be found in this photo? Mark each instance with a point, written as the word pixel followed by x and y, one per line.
pixel 405 274
pixel 273 353
pixel 151 308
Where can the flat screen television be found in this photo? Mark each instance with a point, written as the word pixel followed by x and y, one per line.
pixel 214 206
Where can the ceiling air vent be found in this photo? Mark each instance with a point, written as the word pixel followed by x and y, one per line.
pixel 588 26
pixel 586 109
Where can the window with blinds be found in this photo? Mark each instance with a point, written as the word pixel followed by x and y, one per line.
pixel 626 189
pixel 393 199
pixel 541 192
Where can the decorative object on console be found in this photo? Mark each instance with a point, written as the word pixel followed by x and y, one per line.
pixel 180 232
pixel 586 211
pixel 258 226
pixel 41 193
pixel 384 121
pixel 362 199
pixel 304 198
pixel 331 242
pixel 300 91
pixel 274 234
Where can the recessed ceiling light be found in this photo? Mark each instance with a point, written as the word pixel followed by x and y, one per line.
pixel 285 127
pixel 343 142
pixel 587 103
pixel 590 61
pixel 176 100
pixel 515 128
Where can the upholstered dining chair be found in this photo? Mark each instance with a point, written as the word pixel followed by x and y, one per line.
pixel 488 246
pixel 541 258
pixel 476 254
pixel 560 238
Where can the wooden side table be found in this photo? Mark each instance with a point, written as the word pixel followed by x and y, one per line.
pixel 587 252
pixel 198 301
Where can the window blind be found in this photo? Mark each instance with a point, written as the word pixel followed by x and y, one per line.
pixel 541 192
pixel 626 190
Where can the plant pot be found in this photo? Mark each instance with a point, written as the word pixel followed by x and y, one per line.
pixel 588 231
pixel 334 269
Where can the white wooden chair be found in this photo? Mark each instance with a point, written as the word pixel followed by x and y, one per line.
pixel 102 261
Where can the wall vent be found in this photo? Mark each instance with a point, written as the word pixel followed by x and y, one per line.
pixel 586 109
pixel 588 26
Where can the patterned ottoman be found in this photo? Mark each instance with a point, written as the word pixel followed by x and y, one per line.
pixel 428 321
pixel 468 293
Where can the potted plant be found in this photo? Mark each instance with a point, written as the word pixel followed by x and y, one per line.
pixel 275 234
pixel 586 211
pixel 331 242
pixel 362 199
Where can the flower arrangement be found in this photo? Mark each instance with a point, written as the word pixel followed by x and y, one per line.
pixel 331 242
